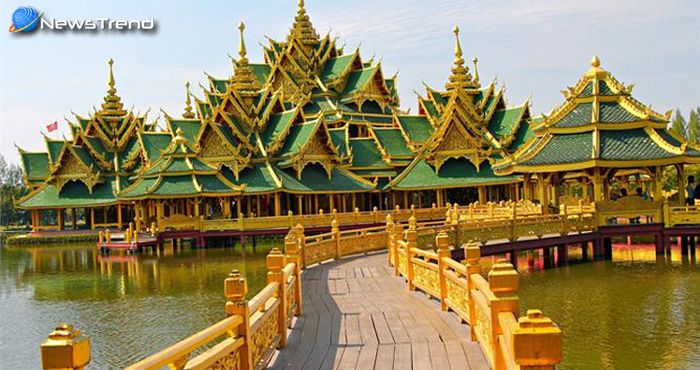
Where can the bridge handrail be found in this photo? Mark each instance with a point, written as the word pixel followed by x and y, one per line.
pixel 253 328
pixel 490 306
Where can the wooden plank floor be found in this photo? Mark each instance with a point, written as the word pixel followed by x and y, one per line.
pixel 358 315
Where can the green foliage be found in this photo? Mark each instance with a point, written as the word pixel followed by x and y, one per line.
pixel 24 239
pixel 694 126
pixel 11 188
pixel 679 125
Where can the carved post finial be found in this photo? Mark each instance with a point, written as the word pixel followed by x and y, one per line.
pixel 503 279
pixel 537 341
pixel 65 348
pixel 235 286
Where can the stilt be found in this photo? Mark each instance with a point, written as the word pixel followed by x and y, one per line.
pixel 514 259
pixel 562 254
pixel 547 257
pixel 684 245
pixel 659 244
pixel 584 251
pixel 597 249
pixel 607 248
pixel 692 246
pixel 243 245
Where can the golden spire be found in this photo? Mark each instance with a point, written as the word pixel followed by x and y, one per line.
pixel 476 71
pixel 179 138
pixel 241 47
pixel 243 77
pixel 460 76
pixel 112 105
pixel 189 114
pixel 302 29
pixel 595 61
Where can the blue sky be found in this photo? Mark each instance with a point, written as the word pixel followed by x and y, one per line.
pixel 533 47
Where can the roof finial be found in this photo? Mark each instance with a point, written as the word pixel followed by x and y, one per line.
pixel 112 105
pixel 179 138
pixel 110 82
pixel 458 47
pixel 241 47
pixel 189 114
pixel 476 71
pixel 302 28
pixel 595 61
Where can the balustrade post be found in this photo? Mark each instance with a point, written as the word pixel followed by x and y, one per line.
pixel 275 262
pixel 390 239
pixel 290 216
pixel 302 244
pixel 503 283
pixel 667 215
pixel 413 210
pixel 398 235
pixel 455 213
pixel 65 348
pixel 442 241
pixel 236 290
pixel 153 229
pixel 513 223
pixel 537 342
pixel 564 214
pixel 411 242
pixel 335 232
pixel 291 249
pixel 472 255
pixel 108 236
pixel 375 215
pixel 448 217
pixel 100 237
pixel 356 214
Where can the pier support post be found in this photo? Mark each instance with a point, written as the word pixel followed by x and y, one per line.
pixel 584 251
pixel 607 248
pixel 547 257
pixel 65 348
pixel 659 244
pixel 684 245
pixel 562 254
pixel 513 257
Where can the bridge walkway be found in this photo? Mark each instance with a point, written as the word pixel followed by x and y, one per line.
pixel 358 315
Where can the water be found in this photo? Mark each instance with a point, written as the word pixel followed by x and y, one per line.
pixel 130 306
pixel 633 313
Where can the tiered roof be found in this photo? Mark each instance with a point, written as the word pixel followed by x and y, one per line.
pixel 98 160
pixel 459 132
pixel 599 124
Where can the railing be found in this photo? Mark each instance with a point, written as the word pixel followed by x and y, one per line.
pixel 490 306
pixel 687 215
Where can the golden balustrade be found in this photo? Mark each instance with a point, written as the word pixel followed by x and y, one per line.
pixel 490 305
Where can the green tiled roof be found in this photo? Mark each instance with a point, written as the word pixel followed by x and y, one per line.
pixel 437 97
pixel 97 145
pixel 257 179
pixel 36 165
pixel 84 156
pixel 587 90
pixel 220 85
pixel 338 136
pixel 73 194
pixel 504 120
pixel 205 109
pixel 261 71
pixel 358 79
pixel 564 148
pixel 614 113
pixel 54 147
pixel 522 136
pixel 336 66
pixel 277 124
pixel 298 136
pixel 154 143
pixel 453 173
pixel 190 128
pixel 579 116
pixel 417 128
pixel 430 108
pixel 630 145
pixel 365 153
pixel 604 89
pixel 393 142
pixel 375 173
pixel 315 179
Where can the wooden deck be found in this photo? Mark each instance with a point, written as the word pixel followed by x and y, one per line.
pixel 358 315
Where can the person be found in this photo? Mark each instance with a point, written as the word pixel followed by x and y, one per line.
pixel 691 190
pixel 623 193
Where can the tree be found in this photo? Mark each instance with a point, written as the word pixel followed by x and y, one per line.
pixel 678 124
pixel 694 127
pixel 11 188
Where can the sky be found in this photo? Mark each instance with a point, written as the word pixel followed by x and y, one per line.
pixel 534 48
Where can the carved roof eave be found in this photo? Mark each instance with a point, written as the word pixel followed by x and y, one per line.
pixel 278 142
pixel 96 153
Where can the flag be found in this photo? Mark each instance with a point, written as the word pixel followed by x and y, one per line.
pixel 52 126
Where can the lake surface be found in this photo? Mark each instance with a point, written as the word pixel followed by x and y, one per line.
pixel 634 313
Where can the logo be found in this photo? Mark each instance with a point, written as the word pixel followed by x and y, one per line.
pixel 25 19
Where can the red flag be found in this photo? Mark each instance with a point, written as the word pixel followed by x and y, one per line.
pixel 52 126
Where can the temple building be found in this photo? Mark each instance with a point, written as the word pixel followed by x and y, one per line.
pixel 314 128
pixel 600 135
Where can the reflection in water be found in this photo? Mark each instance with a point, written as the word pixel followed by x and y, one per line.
pixel 130 305
pixel 634 313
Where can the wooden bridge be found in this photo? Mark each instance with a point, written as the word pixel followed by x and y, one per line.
pixel 400 295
